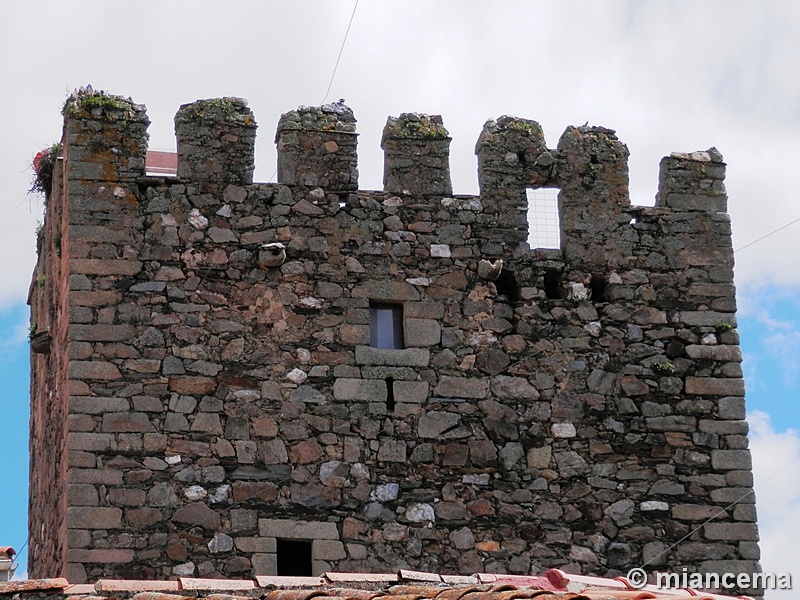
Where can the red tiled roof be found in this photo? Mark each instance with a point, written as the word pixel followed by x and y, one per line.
pixel 161 163
pixel 8 551
pixel 405 585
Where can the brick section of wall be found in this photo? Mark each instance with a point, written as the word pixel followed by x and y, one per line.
pixel 218 393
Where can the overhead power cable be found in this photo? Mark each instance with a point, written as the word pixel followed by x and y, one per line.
pixel 335 67
pixel 338 58
pixel 763 237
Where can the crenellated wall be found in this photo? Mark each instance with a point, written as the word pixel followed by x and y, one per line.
pixel 211 389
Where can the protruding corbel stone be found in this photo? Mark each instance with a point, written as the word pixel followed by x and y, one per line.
pixel 272 255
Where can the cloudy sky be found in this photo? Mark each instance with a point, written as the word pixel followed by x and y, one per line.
pixel 667 75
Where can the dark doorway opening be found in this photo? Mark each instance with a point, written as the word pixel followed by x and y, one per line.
pixel 598 287
pixel 552 284
pixel 294 558
pixel 506 285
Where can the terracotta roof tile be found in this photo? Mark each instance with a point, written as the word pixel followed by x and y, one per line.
pixel 288 582
pixel 295 594
pixel 123 585
pixel 159 162
pixel 31 585
pixel 419 576
pixel 623 595
pixel 80 588
pixel 157 596
pixel 361 577
pixel 551 585
pixel 7 550
pixel 421 591
pixel 191 583
pixel 456 593
pixel 460 579
pixel 353 594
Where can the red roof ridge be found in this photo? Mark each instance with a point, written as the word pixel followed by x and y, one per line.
pixel 403 585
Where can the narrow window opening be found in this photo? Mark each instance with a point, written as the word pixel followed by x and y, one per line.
pixel 544 227
pixel 521 157
pixel 598 287
pixel 386 326
pixel 506 285
pixel 552 284
pixel 294 558
pixel 390 395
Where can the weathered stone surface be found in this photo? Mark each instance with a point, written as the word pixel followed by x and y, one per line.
pixel 414 392
pixel 362 390
pixel 297 530
pixel 434 424
pixel 125 422
pixel 461 387
pixel 410 357
pixel 95 369
pixel 420 513
pixel 492 361
pixel 564 407
pixel 513 388
pixel 421 332
pixel 731 459
pixel 570 464
pixel 731 531
pixel 706 386
pixel 85 517
pixel 197 514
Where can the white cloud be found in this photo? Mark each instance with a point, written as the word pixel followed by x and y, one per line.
pixel 667 75
pixel 776 458
pixel 774 341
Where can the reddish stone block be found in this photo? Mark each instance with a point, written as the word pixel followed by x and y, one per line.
pixel 97 369
pixel 197 513
pixel 95 266
pixel 143 517
pixel 127 422
pixel 251 490
pixel 85 517
pixel 305 452
pixel 192 386
pixel 101 555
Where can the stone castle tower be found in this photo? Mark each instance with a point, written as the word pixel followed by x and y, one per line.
pixel 233 378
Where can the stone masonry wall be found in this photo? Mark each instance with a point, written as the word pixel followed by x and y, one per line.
pixel 210 387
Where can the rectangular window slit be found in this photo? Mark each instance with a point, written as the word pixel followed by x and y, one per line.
pixel 598 287
pixel 386 326
pixel 390 395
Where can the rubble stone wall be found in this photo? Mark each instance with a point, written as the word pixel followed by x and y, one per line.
pixel 211 386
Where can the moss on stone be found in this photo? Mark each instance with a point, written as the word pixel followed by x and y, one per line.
pixel 88 100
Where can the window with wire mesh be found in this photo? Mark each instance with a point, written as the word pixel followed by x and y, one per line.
pixel 544 230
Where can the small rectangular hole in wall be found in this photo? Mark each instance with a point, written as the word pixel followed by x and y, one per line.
pixel 386 326
pixel 390 403
pixel 544 228
pixel 598 287
pixel 552 284
pixel 294 558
